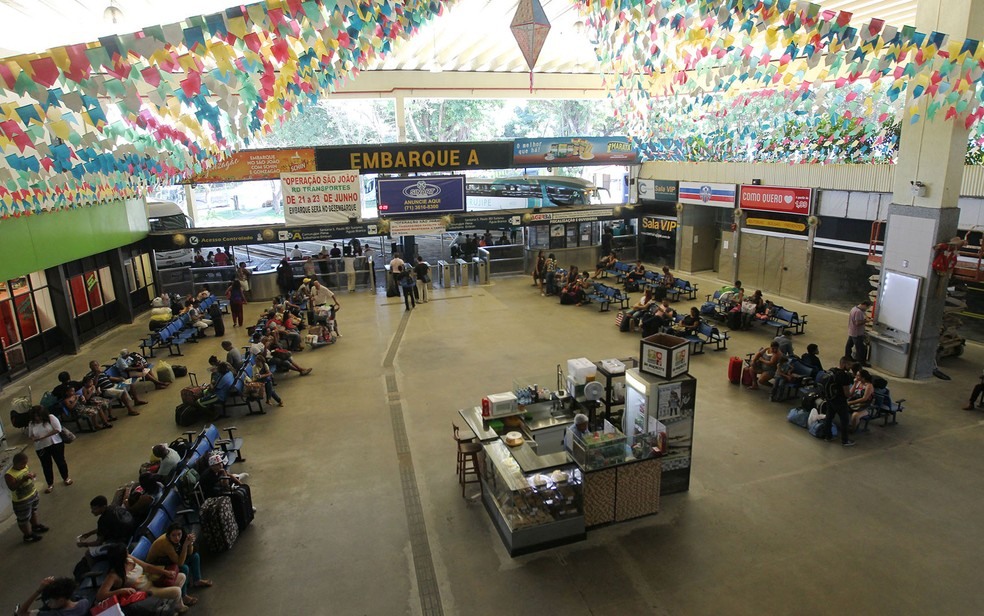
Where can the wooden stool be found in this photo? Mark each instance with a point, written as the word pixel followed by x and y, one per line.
pixel 459 441
pixel 469 465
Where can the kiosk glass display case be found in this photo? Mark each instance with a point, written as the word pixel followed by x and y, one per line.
pixel 599 449
pixel 536 509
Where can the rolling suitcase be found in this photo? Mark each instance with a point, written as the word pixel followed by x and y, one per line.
pixel 189 414
pixel 623 321
pixel 734 370
pixel 747 376
pixel 219 528
pixel 242 506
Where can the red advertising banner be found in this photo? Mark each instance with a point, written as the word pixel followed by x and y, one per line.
pixel 246 165
pixel 775 199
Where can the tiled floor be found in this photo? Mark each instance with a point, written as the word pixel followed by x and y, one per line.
pixel 359 511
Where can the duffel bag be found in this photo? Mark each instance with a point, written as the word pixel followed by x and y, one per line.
pixel 192 394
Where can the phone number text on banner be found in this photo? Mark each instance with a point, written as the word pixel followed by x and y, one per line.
pixel 321 197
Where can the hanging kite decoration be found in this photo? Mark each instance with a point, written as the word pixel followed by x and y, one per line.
pixel 87 123
pixel 530 27
pixel 689 66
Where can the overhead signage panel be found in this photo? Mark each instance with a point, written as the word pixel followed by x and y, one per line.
pixel 420 195
pixel 416 226
pixel 657 191
pixel 202 238
pixel 321 197
pixel 564 216
pixel 574 151
pixel 247 165
pixel 657 226
pixel 416 157
pixel 707 193
pixel 776 199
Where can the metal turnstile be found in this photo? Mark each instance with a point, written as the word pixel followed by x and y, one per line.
pixel 463 274
pixel 480 267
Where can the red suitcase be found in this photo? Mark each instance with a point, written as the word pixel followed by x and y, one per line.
pixel 734 370
pixel 748 376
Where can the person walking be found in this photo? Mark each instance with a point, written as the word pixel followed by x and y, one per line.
pixel 237 299
pixel 836 394
pixel 243 275
pixel 45 430
pixel 406 283
pixel 285 278
pixel 422 270
pixel 25 499
pixel 855 333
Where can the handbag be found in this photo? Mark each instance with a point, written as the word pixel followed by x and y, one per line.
pixel 113 606
pixel 67 436
pixel 163 581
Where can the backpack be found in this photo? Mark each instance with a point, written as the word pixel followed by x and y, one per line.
pixel 181 446
pixel 187 483
pixel 827 384
pixel 49 401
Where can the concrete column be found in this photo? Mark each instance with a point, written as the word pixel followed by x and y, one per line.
pixel 61 303
pixel 931 158
pixel 401 119
pixel 192 206
pixel 120 286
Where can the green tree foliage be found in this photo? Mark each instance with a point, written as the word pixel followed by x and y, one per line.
pixel 452 119
pixel 336 122
pixel 562 118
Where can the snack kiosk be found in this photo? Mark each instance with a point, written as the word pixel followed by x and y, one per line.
pixel 539 494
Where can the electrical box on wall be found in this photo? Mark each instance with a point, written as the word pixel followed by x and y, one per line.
pixel 918 188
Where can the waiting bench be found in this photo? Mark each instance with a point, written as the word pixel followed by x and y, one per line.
pixel 786 319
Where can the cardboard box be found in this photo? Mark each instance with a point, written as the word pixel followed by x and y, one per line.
pixel 664 356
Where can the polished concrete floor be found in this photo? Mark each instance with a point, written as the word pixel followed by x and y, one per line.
pixel 360 512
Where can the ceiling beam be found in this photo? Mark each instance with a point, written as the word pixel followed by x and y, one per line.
pixel 456 84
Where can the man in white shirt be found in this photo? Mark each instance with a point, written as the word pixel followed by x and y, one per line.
pixel 168 457
pixel 296 254
pixel 321 297
pixel 396 269
pixel 131 367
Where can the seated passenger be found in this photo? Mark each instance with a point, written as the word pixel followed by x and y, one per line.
pixel 636 311
pixel 283 360
pixel 233 357
pixel 115 525
pixel 690 323
pixel 263 374
pixel 175 547
pixel 196 318
pixel 607 262
pixel 667 280
pixel 764 364
pixel 812 359
pixel 139 499
pixel 222 389
pixel 128 575
pixel 168 459
pixel 73 405
pixel 56 597
pixel 134 365
pixel 114 387
pixel 216 480
pixel 636 275
pixel 88 395
pixel 862 393
pixel 751 306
